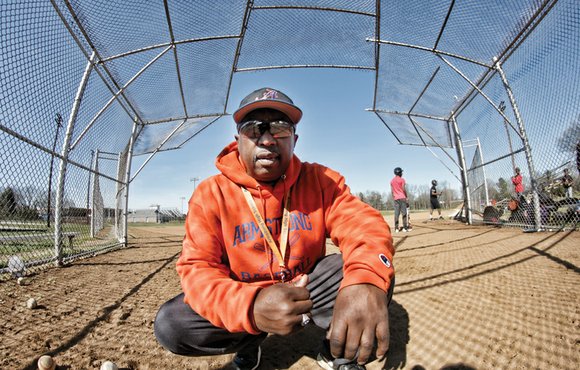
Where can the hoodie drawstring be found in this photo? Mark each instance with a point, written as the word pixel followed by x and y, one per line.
pixel 284 199
pixel 279 250
pixel 266 250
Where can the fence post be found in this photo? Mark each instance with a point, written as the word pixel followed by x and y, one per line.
pixel 94 167
pixel 463 167
pixel 128 178
pixel 58 207
pixel 526 144
pixel 484 175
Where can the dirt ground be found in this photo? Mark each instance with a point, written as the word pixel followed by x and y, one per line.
pixel 467 297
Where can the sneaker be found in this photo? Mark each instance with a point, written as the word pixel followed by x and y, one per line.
pixel 405 230
pixel 326 362
pixel 430 218
pixel 441 218
pixel 396 230
pixel 248 360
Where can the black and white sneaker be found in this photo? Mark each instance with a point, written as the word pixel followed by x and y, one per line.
pixel 337 364
pixel 326 361
pixel 247 359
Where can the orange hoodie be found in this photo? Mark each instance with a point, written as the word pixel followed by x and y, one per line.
pixel 225 259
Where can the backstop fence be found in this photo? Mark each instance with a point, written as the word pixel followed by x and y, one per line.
pixel 89 85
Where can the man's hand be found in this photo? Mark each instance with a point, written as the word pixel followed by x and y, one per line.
pixel 360 315
pixel 278 308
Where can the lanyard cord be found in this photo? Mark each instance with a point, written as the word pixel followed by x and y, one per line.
pixel 279 253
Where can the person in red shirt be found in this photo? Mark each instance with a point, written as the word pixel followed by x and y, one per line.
pixel 517 180
pixel 399 192
pixel 254 256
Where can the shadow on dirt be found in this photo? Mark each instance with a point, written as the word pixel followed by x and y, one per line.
pixel 105 315
pixel 281 352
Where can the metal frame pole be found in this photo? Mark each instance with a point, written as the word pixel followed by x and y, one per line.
pixel 480 91
pixel 526 144
pixel 89 189
pixel 463 167
pixel 127 179
pixel 64 162
pixel 58 120
pixel 119 187
pixel 95 166
pixel 484 175
pixel 509 137
pixel 159 148
pixel 443 163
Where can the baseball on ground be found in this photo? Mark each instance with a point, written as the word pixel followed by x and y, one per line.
pixel 31 303
pixel 46 363
pixel 108 365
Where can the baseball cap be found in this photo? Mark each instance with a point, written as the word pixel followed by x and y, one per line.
pixel 267 97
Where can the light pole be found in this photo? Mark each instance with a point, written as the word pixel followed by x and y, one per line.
pixel 194 180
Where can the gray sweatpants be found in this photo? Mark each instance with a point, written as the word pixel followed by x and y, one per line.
pixel 182 331
pixel 401 208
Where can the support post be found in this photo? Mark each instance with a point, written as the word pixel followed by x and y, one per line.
pixel 119 188
pixel 128 178
pixel 58 211
pixel 526 145
pixel 58 120
pixel 484 175
pixel 94 167
pixel 89 189
pixel 463 167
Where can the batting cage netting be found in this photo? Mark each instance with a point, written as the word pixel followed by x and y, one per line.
pixel 89 85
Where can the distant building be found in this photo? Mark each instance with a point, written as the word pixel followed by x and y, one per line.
pixel 154 215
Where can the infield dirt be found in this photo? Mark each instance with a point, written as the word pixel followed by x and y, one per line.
pixel 467 297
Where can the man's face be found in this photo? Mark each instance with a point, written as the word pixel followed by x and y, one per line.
pixel 266 158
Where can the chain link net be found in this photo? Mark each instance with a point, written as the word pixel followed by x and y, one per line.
pixel 476 178
pixel 79 77
pixel 544 75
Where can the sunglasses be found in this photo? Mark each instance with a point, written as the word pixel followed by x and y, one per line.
pixel 255 129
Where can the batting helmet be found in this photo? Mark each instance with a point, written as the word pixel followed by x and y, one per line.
pixel 434 182
pixel 398 171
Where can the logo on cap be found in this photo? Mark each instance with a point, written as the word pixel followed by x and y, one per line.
pixel 268 94
pixel 267 97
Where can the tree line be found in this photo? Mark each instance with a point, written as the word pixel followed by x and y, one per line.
pixel 27 202
pixel 418 197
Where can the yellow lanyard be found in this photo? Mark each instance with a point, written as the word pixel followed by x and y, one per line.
pixel 280 253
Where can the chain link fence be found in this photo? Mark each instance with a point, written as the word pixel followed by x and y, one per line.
pixel 540 133
pixel 87 86
pixel 59 179
pixel 491 104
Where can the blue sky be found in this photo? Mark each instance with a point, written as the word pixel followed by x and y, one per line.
pixel 335 131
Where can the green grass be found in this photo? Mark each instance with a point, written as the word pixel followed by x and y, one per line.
pixel 41 243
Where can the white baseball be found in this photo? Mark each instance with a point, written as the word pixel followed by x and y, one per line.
pixel 21 281
pixel 31 303
pixel 46 363
pixel 108 365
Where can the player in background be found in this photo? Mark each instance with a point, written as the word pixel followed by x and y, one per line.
pixel 399 191
pixel 434 197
